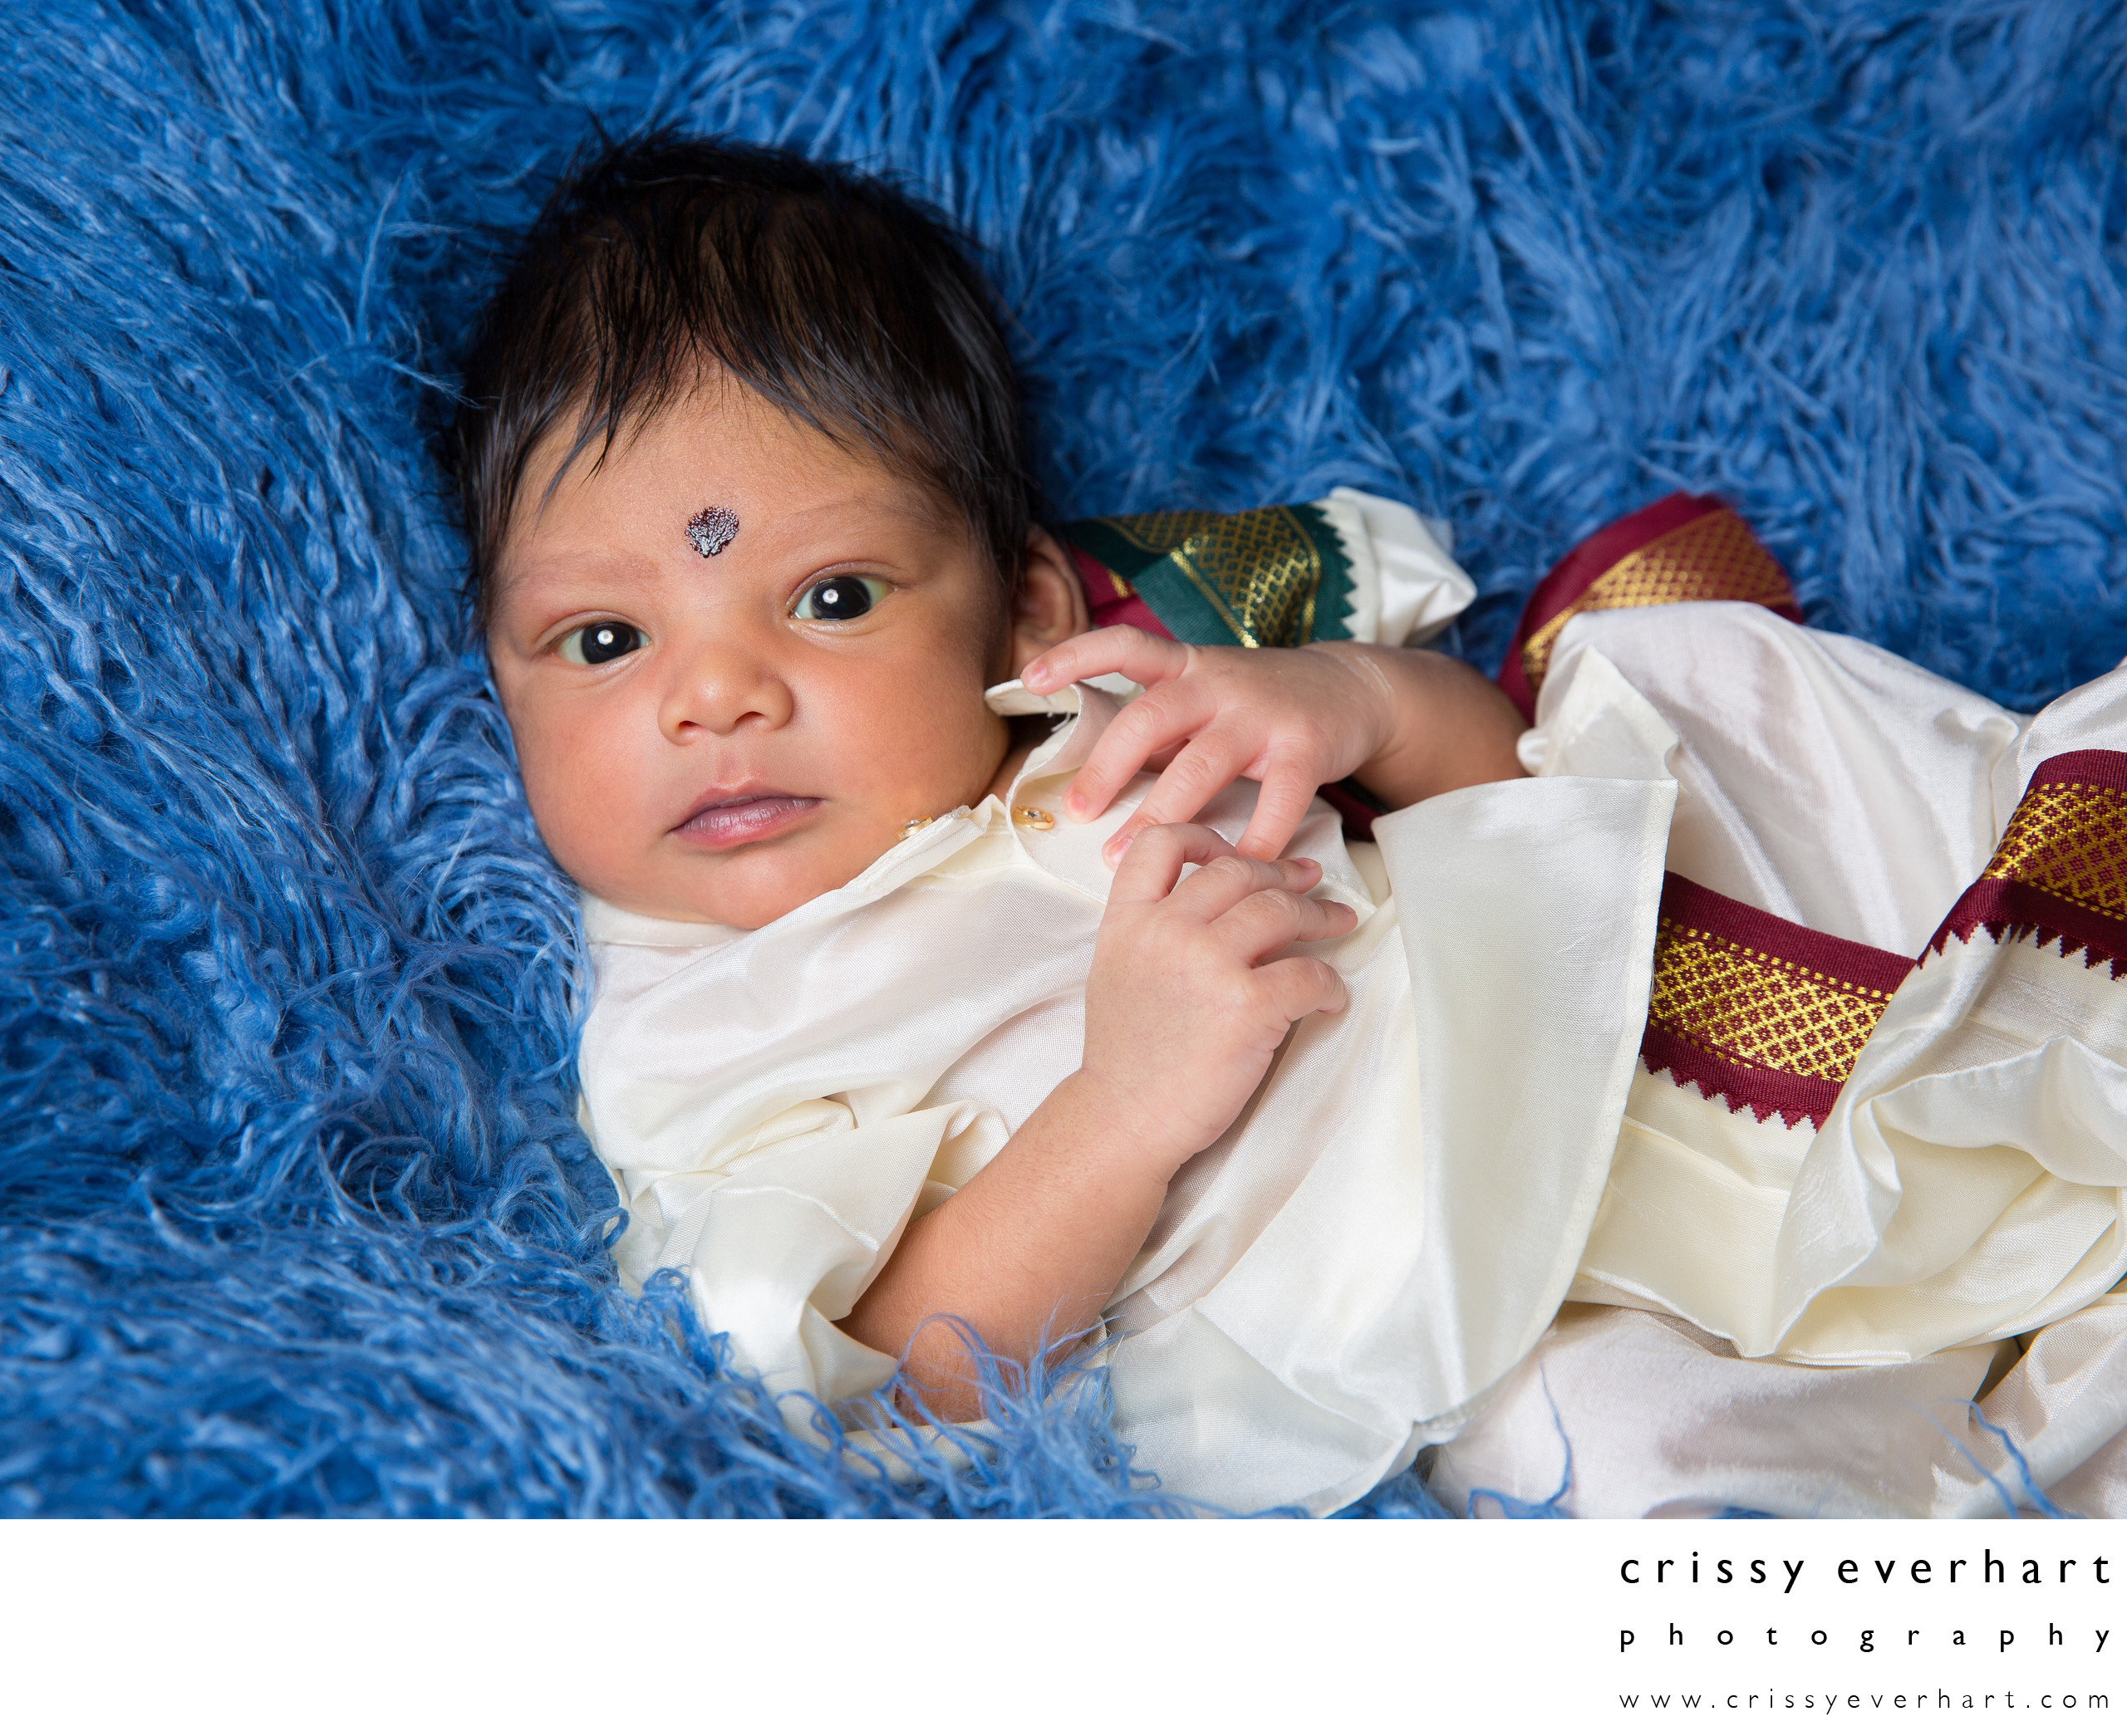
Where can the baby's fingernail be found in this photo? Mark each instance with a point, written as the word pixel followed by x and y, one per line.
pixel 1305 862
pixel 1074 805
pixel 1033 672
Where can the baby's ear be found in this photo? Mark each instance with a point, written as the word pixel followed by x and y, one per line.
pixel 1050 606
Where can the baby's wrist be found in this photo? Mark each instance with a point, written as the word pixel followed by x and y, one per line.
pixel 1118 1125
pixel 1379 704
pixel 1419 696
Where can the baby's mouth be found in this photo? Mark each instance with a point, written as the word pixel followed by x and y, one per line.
pixel 745 819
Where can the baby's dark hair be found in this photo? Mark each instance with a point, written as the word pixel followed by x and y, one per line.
pixel 838 298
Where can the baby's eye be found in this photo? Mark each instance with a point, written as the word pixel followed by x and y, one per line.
pixel 601 642
pixel 843 598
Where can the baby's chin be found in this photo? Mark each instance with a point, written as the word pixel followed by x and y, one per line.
pixel 745 889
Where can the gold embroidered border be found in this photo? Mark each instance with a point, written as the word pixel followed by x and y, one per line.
pixel 1711 558
pixel 1761 1010
pixel 1260 571
pixel 1161 533
pixel 2070 840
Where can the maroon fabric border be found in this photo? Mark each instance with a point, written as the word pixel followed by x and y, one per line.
pixel 1760 1090
pixel 2009 910
pixel 2098 765
pixel 1763 1090
pixel 1586 561
pixel 1730 919
pixel 2013 910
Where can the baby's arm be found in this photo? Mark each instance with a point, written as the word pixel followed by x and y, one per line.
pixel 1187 1002
pixel 1408 723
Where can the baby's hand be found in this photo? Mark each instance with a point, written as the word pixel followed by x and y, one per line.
pixel 1182 1013
pixel 1291 720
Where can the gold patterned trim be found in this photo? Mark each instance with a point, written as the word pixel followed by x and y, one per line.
pixel 1259 571
pixel 2070 840
pixel 1756 1009
pixel 2060 873
pixel 1161 533
pixel 1711 558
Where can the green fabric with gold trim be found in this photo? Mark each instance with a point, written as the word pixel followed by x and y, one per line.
pixel 1276 575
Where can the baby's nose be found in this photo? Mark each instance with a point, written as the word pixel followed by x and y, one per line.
pixel 723 685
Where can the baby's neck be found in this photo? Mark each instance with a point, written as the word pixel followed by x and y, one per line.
pixel 1026 734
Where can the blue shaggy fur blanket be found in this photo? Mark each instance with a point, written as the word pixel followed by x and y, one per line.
pixel 294 1216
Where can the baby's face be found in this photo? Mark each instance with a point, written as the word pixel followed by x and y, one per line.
pixel 721 738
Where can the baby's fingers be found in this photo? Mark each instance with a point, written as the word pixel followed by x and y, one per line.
pixel 1130 652
pixel 1147 725
pixel 1297 987
pixel 1269 922
pixel 1279 808
pixel 1205 767
pixel 1149 872
pixel 1215 889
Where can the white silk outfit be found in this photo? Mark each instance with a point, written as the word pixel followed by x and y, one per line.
pixel 1953 1231
pixel 1376 1254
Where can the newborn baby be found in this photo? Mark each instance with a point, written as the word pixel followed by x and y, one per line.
pixel 922 1007
pixel 873 1044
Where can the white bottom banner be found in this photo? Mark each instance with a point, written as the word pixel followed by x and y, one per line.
pixel 1035 1627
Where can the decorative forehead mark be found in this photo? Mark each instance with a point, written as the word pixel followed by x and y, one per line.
pixel 711 529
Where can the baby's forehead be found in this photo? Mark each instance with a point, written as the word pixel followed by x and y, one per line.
pixel 721 439
pixel 703 487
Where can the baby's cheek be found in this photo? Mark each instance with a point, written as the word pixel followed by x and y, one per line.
pixel 571 844
pixel 579 799
pixel 967 742
pixel 916 739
